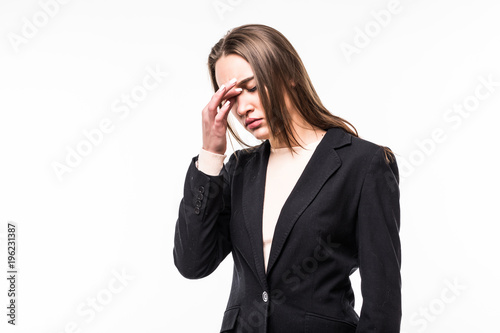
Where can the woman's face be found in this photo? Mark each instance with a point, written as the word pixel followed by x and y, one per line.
pixel 247 107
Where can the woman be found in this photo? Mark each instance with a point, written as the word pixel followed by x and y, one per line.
pixel 300 212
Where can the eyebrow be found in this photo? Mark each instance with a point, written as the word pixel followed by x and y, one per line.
pixel 242 82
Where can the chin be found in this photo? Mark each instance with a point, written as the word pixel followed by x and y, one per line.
pixel 261 133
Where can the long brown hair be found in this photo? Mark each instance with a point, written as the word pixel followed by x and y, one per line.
pixel 278 72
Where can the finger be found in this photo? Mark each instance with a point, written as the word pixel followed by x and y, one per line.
pixel 232 93
pixel 219 95
pixel 224 111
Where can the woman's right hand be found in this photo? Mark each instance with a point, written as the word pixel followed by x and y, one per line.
pixel 214 119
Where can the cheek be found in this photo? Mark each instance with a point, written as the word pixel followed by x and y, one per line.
pixel 236 115
pixel 258 104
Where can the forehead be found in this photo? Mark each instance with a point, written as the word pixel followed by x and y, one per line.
pixel 231 66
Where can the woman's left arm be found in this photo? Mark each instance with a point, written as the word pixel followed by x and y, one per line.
pixel 379 248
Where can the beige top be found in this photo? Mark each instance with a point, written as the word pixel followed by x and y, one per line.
pixel 283 172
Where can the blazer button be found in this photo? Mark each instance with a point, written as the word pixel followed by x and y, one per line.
pixel 201 189
pixel 197 204
pixel 197 211
pixel 199 196
pixel 265 297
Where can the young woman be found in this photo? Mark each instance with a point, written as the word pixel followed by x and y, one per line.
pixel 300 212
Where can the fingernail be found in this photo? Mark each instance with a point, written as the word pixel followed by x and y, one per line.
pixel 227 103
pixel 238 89
pixel 232 81
pixel 221 87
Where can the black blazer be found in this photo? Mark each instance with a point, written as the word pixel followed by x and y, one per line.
pixel 342 214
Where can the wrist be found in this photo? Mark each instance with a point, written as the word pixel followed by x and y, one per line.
pixel 214 151
pixel 210 163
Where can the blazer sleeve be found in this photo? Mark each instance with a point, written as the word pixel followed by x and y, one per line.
pixel 379 248
pixel 202 238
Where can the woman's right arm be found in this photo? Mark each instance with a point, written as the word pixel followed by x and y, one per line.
pixel 202 238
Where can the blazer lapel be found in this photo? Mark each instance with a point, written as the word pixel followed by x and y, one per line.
pixel 254 180
pixel 323 163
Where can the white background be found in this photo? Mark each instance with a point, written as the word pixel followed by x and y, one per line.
pixel 115 212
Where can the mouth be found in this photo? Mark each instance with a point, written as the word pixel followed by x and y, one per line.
pixel 253 122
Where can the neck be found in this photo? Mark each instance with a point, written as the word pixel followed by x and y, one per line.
pixel 304 135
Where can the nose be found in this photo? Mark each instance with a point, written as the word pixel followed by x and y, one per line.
pixel 242 106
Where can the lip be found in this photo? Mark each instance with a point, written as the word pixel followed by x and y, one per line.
pixel 253 122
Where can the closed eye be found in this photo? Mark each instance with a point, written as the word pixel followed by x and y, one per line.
pixel 252 89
